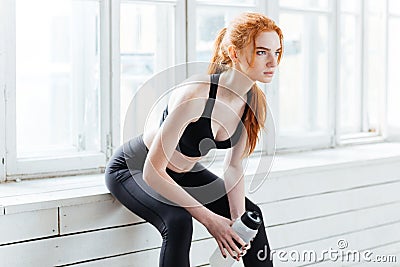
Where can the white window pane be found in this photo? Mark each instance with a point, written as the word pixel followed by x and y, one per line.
pixel 376 7
pixel 394 77
pixel 350 73
pixel 208 23
pixel 353 6
pixel 146 47
pixel 57 77
pixel 394 7
pixel 320 4
pixel 303 75
pixel 248 2
pixel 375 63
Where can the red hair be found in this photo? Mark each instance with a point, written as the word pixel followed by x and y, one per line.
pixel 242 32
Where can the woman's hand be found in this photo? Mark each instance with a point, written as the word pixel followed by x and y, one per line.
pixel 220 228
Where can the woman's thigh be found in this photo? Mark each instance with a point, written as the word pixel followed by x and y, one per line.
pixel 207 188
pixel 132 192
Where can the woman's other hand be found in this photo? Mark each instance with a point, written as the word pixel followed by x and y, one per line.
pixel 220 228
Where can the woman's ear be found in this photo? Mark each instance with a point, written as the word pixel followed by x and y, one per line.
pixel 233 55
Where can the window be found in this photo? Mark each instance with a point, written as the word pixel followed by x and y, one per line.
pixel 362 68
pixel 147 46
pixel 209 19
pixel 304 118
pixel 332 80
pixel 57 78
pixel 53 91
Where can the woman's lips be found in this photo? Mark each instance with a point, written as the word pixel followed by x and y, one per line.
pixel 270 73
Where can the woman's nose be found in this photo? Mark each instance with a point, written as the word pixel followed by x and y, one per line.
pixel 272 60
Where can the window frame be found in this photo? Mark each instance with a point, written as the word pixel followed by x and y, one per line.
pixel 113 137
pixel 391 133
pixel 3 19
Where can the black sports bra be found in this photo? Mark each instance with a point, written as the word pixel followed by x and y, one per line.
pixel 197 139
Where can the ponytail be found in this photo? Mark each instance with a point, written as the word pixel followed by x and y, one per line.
pixel 220 57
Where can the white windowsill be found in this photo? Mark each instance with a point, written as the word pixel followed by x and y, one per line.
pixel 32 195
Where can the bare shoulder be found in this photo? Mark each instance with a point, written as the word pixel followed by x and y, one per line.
pixel 193 90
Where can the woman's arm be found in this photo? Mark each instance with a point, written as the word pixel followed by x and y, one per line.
pixel 234 177
pixel 154 171
pixel 189 109
pixel 234 184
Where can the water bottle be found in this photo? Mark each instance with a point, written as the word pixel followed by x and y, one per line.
pixel 246 227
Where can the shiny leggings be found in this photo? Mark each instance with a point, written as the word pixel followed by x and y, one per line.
pixel 124 179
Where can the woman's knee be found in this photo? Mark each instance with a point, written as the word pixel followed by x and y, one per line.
pixel 178 224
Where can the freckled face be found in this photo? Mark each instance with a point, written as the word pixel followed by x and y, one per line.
pixel 267 50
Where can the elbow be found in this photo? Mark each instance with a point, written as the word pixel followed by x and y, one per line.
pixel 147 177
pixel 236 168
pixel 151 174
pixel 146 173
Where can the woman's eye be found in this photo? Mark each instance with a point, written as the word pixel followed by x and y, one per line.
pixel 277 54
pixel 260 52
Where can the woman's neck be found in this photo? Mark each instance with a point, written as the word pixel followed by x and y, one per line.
pixel 236 83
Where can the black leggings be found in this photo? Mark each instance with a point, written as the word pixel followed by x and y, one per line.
pixel 173 222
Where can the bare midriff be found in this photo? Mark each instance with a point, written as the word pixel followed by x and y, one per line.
pixel 178 162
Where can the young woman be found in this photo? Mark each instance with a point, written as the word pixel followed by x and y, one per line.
pixel 157 174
